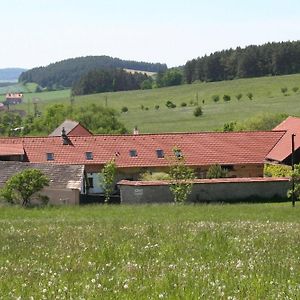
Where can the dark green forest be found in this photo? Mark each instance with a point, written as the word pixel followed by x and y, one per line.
pixel 252 61
pixel 67 72
pixel 99 81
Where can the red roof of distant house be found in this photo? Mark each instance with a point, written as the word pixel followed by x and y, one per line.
pixel 72 128
pixel 284 147
pixel 204 148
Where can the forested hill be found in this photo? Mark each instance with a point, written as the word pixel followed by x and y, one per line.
pixel 10 74
pixel 253 61
pixel 65 73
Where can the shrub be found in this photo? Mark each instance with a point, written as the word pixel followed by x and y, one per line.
pixel 216 171
pixel 239 96
pixel 146 108
pixel 142 107
pixel 215 98
pixel 277 171
pixel 295 89
pixel 170 104
pixel 250 95
pixel 229 126
pixel 183 104
pixel 226 98
pixel 154 176
pixel 124 109
pixel 156 107
pixel 108 175
pixel 284 90
pixel 198 111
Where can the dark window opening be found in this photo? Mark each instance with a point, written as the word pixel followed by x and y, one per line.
pixel 90 182
pixel 228 167
pixel 89 155
pixel 178 153
pixel 160 153
pixel 133 153
pixel 50 156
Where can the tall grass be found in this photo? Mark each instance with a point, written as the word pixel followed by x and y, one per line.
pixel 150 252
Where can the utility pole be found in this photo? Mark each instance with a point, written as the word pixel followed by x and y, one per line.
pixel 293 179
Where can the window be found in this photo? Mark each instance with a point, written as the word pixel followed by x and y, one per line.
pixel 89 155
pixel 228 167
pixel 133 153
pixel 160 153
pixel 90 182
pixel 50 156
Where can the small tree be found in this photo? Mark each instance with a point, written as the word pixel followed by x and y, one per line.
pixel 295 89
pixel 183 104
pixel 23 185
pixel 181 177
pixel 296 178
pixel 226 98
pixel 216 171
pixel 250 96
pixel 156 107
pixel 108 178
pixel 124 109
pixel 284 90
pixel 198 111
pixel 215 98
pixel 239 96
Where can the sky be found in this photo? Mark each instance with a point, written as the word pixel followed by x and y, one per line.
pixel 39 32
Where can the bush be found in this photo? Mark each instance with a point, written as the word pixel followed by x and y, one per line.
pixel 215 98
pixel 250 96
pixel 170 104
pixel 239 96
pixel 124 109
pixel 156 107
pixel 277 171
pixel 226 98
pixel 295 89
pixel 229 126
pixel 183 104
pixel 142 107
pixel 146 108
pixel 198 111
pixel 284 90
pixel 154 176
pixel 216 171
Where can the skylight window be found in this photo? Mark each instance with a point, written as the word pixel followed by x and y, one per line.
pixel 133 153
pixel 50 156
pixel 178 153
pixel 160 153
pixel 89 155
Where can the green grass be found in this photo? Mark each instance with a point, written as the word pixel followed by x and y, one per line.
pixel 151 252
pixel 266 90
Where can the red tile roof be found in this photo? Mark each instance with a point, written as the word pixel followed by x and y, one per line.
pixel 11 149
pixel 284 147
pixel 199 149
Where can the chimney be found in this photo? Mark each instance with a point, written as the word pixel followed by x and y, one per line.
pixel 64 137
pixel 135 130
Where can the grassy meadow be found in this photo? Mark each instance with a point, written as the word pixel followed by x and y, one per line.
pixel 268 98
pixel 151 252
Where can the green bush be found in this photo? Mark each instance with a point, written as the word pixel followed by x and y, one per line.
pixel 170 104
pixel 295 89
pixel 284 90
pixel 156 107
pixel 198 111
pixel 250 95
pixel 124 109
pixel 277 171
pixel 216 171
pixel 215 98
pixel 226 98
pixel 183 104
pixel 239 96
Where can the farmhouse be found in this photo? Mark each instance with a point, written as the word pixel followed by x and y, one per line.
pixel 13 98
pixel 241 153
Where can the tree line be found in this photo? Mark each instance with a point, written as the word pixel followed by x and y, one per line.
pixel 65 73
pixel 253 61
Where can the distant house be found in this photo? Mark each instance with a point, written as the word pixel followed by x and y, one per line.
pixel 282 151
pixel 13 98
pixel 71 128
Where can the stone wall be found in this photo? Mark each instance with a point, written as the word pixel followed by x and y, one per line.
pixel 208 190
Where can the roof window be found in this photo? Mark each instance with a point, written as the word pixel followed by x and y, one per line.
pixel 160 153
pixel 50 156
pixel 133 153
pixel 89 155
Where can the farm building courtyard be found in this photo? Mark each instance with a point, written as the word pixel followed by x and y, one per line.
pixel 232 251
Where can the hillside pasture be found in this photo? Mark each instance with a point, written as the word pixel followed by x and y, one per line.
pixel 267 98
pixel 151 252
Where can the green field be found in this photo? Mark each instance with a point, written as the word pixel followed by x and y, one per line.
pixel 151 252
pixel 268 98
